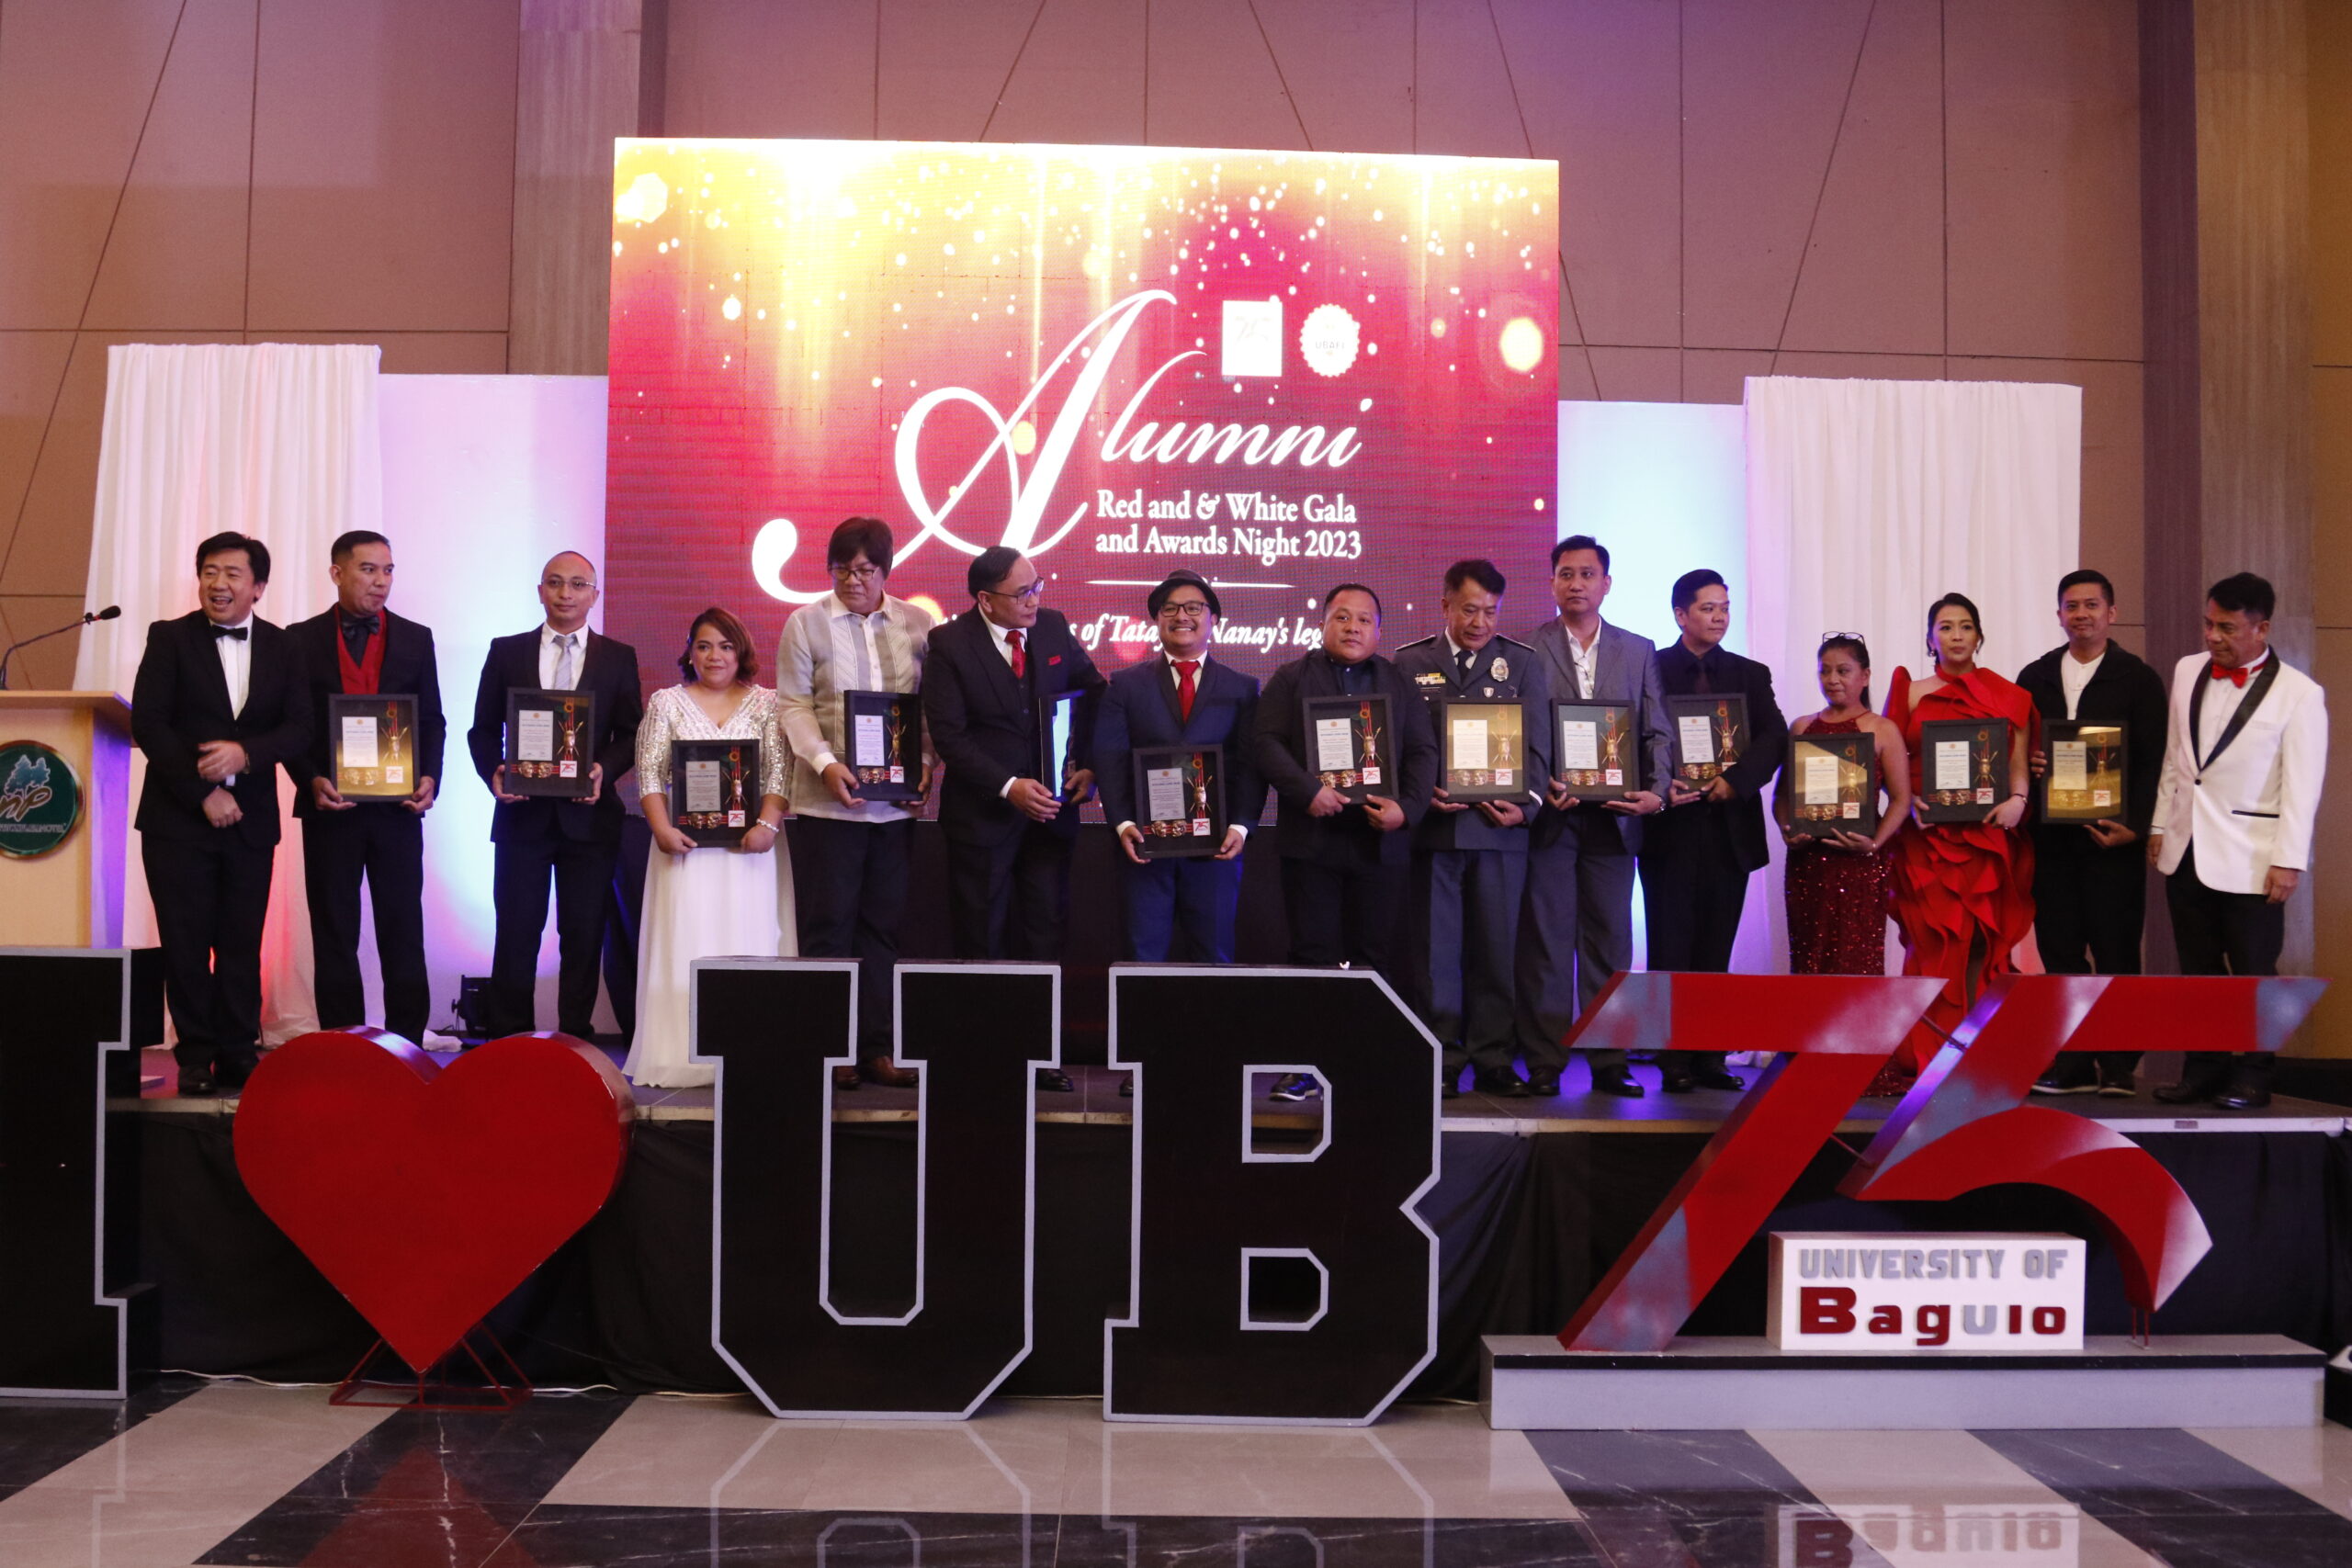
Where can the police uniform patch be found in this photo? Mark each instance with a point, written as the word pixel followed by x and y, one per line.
pixel 1499 669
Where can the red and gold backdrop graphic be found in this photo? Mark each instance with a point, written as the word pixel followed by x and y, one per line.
pixel 1284 370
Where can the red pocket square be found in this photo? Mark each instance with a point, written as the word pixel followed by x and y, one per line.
pixel 1057 659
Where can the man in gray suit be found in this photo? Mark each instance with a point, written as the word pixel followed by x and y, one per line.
pixel 1469 870
pixel 1576 929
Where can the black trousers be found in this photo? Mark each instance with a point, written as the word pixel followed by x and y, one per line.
pixel 384 844
pixel 1461 926
pixel 583 873
pixel 849 880
pixel 2090 907
pixel 211 896
pixel 1344 914
pixel 1691 897
pixel 1008 896
pixel 2224 933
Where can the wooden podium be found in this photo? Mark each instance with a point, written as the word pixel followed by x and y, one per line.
pixel 72 895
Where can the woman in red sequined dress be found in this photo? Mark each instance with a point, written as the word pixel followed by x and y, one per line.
pixel 1963 891
pixel 1836 885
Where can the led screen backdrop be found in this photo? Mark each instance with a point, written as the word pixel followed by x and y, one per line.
pixel 1283 369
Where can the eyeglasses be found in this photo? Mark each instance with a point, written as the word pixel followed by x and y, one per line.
pixel 1190 608
pixel 1028 594
pixel 865 573
pixel 1836 637
pixel 558 584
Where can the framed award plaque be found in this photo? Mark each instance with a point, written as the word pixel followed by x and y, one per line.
pixel 1710 735
pixel 1831 786
pixel 374 743
pixel 2085 782
pixel 1593 751
pixel 1056 731
pixel 1485 750
pixel 713 789
pixel 883 733
pixel 1180 799
pixel 550 742
pixel 1963 768
pixel 1351 745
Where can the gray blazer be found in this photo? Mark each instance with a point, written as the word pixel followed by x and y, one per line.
pixel 1624 670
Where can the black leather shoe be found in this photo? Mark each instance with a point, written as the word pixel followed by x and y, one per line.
pixel 1453 1089
pixel 2242 1097
pixel 1127 1086
pixel 2066 1081
pixel 197 1084
pixel 887 1074
pixel 1053 1080
pixel 1502 1085
pixel 1674 1080
pixel 1542 1085
pixel 2188 1091
pixel 1719 1077
pixel 1619 1081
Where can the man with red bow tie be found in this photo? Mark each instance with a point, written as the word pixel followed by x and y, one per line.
pixel 2244 763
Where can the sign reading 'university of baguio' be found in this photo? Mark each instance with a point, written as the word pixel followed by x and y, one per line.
pixel 40 799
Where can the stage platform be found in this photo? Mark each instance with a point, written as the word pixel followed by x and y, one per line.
pixel 1096 1102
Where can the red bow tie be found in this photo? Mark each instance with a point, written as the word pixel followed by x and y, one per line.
pixel 2236 677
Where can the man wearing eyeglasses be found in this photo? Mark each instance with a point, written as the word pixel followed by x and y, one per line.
pixel 1182 697
pixel 576 841
pixel 850 856
pixel 1010 833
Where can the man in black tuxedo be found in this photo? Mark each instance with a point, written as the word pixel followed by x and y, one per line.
pixel 217 706
pixel 1008 833
pixel 1344 866
pixel 577 841
pixel 356 647
pixel 1181 696
pixel 1698 854
pixel 2090 879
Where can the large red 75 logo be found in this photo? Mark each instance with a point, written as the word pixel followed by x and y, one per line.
pixel 1963 1125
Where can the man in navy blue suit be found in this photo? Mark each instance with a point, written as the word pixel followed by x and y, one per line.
pixel 1180 697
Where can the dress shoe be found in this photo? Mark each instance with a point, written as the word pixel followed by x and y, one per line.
pixel 2067 1078
pixel 1717 1077
pixel 1297 1086
pixel 197 1084
pixel 1505 1085
pixel 1676 1080
pixel 1619 1081
pixel 1053 1080
pixel 2116 1086
pixel 2188 1091
pixel 846 1078
pixel 1127 1086
pixel 1453 1089
pixel 884 1073
pixel 1542 1085
pixel 2242 1097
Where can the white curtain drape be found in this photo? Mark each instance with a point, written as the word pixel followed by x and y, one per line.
pixel 1869 500
pixel 278 441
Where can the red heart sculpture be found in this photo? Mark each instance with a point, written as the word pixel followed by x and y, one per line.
pixel 426 1194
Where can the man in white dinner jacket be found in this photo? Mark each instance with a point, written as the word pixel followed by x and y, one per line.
pixel 2243 762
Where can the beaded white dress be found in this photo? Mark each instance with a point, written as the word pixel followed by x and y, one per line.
pixel 714 903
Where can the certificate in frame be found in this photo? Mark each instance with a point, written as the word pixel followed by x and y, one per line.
pixel 1963 768
pixel 883 734
pixel 1351 747
pixel 1833 787
pixel 1180 800
pixel 1710 735
pixel 1593 755
pixel 2084 782
pixel 1485 750
pixel 373 743
pixel 713 789
pixel 550 742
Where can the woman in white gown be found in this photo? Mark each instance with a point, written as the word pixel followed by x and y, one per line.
pixel 707 902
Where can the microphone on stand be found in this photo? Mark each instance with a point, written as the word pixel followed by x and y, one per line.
pixel 108 613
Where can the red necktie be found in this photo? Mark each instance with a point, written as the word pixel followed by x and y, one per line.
pixel 1020 659
pixel 1185 670
pixel 2236 677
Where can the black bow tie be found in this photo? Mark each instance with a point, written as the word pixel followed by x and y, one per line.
pixel 361 623
pixel 236 632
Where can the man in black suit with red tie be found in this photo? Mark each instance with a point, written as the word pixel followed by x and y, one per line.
pixel 217 706
pixel 356 647
pixel 1181 696
pixel 576 841
pixel 1008 833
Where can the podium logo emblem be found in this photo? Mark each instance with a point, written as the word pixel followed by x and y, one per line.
pixel 40 799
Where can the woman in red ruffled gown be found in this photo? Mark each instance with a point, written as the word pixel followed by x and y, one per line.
pixel 1836 885
pixel 1963 891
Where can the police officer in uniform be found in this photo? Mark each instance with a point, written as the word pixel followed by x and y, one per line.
pixel 1469 866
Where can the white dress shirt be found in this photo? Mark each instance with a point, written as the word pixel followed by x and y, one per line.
pixel 551 658
pixel 236 655
pixel 1586 658
pixel 2219 703
pixel 2074 675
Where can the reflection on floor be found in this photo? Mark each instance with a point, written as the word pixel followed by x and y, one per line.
pixel 227 1473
